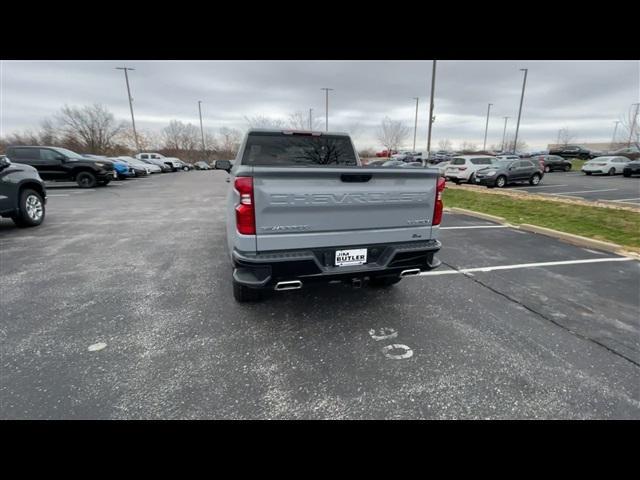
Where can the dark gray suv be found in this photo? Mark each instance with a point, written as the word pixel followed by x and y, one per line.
pixel 504 172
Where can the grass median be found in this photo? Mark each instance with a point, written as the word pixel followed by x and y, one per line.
pixel 617 226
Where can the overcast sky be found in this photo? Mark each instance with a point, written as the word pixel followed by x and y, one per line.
pixel 585 96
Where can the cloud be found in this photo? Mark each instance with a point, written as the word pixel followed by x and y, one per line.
pixel 585 96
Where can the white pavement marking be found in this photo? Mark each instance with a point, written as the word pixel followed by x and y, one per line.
pixel 583 191
pixel 594 251
pixel 624 200
pixel 57 194
pixel 474 226
pixel 526 265
pixel 545 186
pixel 408 353
pixel 97 347
pixel 383 334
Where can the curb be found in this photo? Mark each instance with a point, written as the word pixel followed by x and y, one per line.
pixel 484 216
pixel 573 239
pixel 570 238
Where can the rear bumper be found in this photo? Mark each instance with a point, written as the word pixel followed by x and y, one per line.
pixel 265 270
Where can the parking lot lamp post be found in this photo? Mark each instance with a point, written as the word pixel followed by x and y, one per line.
pixel 486 128
pixel 633 124
pixel 415 125
pixel 433 85
pixel 204 150
pixel 504 132
pixel 133 120
pixel 310 119
pixel 326 107
pixel 524 84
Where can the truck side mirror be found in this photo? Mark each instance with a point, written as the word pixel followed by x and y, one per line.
pixel 223 165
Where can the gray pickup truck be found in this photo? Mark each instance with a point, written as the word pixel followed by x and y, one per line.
pixel 302 209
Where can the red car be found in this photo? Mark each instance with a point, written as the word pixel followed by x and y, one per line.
pixel 385 153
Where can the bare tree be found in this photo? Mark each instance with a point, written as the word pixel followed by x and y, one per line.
pixel 445 144
pixel 392 133
pixel 628 122
pixel 261 121
pixel 468 147
pixel 229 142
pixel 90 128
pixel 565 136
pixel 510 147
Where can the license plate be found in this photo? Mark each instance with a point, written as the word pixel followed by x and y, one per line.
pixel 356 256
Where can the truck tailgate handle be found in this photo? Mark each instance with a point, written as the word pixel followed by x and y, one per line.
pixel 349 177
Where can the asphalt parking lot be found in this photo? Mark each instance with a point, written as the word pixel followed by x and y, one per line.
pixel 513 325
pixel 588 187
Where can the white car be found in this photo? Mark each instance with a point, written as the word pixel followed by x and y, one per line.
pixel 174 163
pixel 464 167
pixel 606 165
pixel 442 167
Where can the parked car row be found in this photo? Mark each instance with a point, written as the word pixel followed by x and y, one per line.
pixel 24 169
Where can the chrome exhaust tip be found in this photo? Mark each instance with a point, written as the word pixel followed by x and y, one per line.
pixel 290 285
pixel 412 271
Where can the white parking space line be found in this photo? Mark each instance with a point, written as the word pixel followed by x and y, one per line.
pixel 626 200
pixel 474 226
pixel 57 195
pixel 583 191
pixel 527 265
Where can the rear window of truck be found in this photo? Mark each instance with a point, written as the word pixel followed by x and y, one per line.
pixel 279 149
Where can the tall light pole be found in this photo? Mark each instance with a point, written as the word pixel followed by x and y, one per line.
pixel 326 107
pixel 133 120
pixel 486 128
pixel 204 150
pixel 415 125
pixel 615 129
pixel 633 123
pixel 433 86
pixel 504 132
pixel 310 119
pixel 524 84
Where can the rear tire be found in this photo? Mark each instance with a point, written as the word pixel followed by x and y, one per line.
pixel 384 281
pixel 243 294
pixel 535 179
pixel 501 181
pixel 30 209
pixel 86 180
pixel 611 172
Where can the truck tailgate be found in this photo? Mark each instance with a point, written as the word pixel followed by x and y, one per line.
pixel 298 208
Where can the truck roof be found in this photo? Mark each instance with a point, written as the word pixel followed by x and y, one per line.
pixel 294 130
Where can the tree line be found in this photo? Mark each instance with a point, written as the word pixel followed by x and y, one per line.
pixel 94 129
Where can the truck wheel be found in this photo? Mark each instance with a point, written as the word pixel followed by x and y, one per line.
pixel 244 294
pixel 384 281
pixel 30 209
pixel 86 180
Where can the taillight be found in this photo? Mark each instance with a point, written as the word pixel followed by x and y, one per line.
pixel 245 212
pixel 439 206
